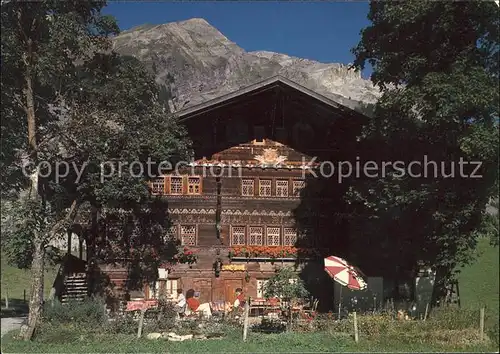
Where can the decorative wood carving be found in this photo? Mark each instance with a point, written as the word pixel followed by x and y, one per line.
pixel 270 157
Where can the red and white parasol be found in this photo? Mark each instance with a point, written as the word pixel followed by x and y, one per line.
pixel 344 274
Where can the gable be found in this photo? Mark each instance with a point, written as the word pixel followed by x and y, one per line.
pixel 275 111
pixel 330 99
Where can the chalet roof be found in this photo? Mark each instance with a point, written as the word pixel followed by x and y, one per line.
pixel 337 102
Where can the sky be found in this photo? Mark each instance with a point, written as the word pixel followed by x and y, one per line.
pixel 321 31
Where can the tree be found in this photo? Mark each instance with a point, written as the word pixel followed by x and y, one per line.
pixel 437 66
pixel 40 42
pixel 83 106
pixel 286 285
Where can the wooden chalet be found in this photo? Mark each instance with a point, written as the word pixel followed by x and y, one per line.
pixel 234 204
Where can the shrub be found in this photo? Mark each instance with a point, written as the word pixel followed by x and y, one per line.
pixel 384 324
pixel 57 333
pixel 270 325
pixel 165 312
pixel 375 325
pixel 90 311
pixel 493 333
pixel 123 325
pixel 326 322
pixel 453 317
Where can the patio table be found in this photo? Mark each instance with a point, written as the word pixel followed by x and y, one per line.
pixel 141 304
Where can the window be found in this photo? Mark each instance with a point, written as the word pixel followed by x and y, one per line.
pixel 282 188
pixel 260 287
pixel 297 186
pixel 289 236
pixel 247 187
pixel 154 290
pixel 157 186
pixel 265 187
pixel 237 235
pixel 171 286
pixel 194 185
pixel 175 185
pixel 171 234
pixel 167 287
pixel 188 235
pixel 256 236
pixel 273 236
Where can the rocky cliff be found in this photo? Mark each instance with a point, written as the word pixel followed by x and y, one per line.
pixel 194 62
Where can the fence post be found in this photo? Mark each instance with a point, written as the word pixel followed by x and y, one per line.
pixel 481 323
pixel 245 320
pixel 426 311
pixel 356 335
pixel 24 295
pixel 141 322
pixel 6 297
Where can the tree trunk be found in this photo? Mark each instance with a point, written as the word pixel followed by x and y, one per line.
pixel 36 298
pixel 37 265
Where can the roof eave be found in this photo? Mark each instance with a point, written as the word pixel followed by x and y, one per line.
pixel 215 102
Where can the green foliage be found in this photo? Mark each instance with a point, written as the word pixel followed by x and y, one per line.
pixel 123 325
pixel 89 312
pixel 18 222
pixel 407 41
pixel 414 336
pixel 270 325
pixel 285 284
pixel 41 41
pixel 93 108
pixel 16 282
pixel 454 317
pixel 437 66
pixel 489 226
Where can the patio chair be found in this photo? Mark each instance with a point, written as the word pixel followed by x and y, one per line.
pixel 313 308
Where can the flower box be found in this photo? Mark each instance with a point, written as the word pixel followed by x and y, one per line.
pixel 273 253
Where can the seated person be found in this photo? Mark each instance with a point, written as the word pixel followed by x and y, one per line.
pixel 193 304
pixel 240 299
pixel 180 304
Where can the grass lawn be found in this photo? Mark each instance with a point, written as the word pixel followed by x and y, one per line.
pixel 15 281
pixel 256 342
pixel 479 286
pixel 479 283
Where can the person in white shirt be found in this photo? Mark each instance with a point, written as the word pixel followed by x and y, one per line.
pixel 240 299
pixel 180 305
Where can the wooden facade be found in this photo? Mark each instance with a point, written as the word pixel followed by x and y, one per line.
pixel 252 155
